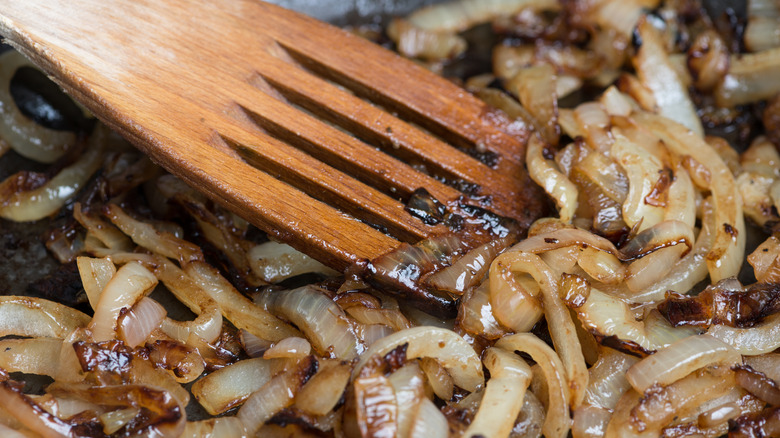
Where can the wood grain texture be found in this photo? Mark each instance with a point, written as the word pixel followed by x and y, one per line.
pixel 233 96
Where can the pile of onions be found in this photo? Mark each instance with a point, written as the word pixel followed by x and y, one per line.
pixel 590 325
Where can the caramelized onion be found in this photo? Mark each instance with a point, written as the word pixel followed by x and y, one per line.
pixel 658 75
pixel 321 320
pixel 138 323
pixel 37 317
pixel 24 135
pixel 555 183
pixel 503 399
pixel 325 389
pixel 275 262
pixel 275 395
pixel 607 379
pixel 32 356
pixel 48 197
pixel 230 386
pixel 451 350
pixel 557 421
pixel 727 252
pixel 130 283
pixel 241 311
pixel 680 359
pixel 288 348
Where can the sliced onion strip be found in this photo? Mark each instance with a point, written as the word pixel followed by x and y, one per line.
pixel 557 421
pixel 680 359
pixel 450 349
pixel 131 282
pixel 504 393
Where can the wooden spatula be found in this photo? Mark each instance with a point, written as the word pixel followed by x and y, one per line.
pixel 302 128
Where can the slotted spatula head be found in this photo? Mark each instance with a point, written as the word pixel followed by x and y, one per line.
pixel 279 117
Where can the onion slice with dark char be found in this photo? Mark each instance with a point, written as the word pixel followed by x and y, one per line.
pixel 450 349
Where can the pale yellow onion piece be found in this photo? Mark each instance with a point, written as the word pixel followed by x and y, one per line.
pixel 616 103
pixel 679 359
pixel 610 316
pixel 220 427
pixel 566 259
pixel 689 270
pixel 95 274
pixel 475 315
pixel 759 339
pixel 568 123
pixel 761 32
pixel 557 421
pixel 566 85
pixel 469 270
pixel 535 88
pixel 115 420
pixel 324 390
pixel 208 324
pixel 643 170
pixel 594 124
pixel 446 346
pixel 513 298
pixel 252 345
pixel 503 398
pixel 590 422
pixel 428 422
pixel 431 45
pixel 408 383
pixel 392 318
pixel 68 363
pixel 275 395
pixel 7 432
pixel 657 409
pixel 438 378
pixel 555 183
pixel 761 157
pixel 622 16
pixel 661 332
pixel 375 406
pixel 458 15
pixel 725 258
pixel 230 386
pixel 237 308
pixel 31 356
pixel 602 266
pixel 642 273
pixel 274 262
pixel 28 138
pixel 22 206
pixel 288 347
pixel 37 317
pixel 751 77
pixel 608 381
pixel 131 282
pixel 681 198
pixel 559 319
pixel 140 321
pixel 144 234
pixel 768 364
pixel 657 73
pixel 111 238
pixel 323 322
pixel 765 260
